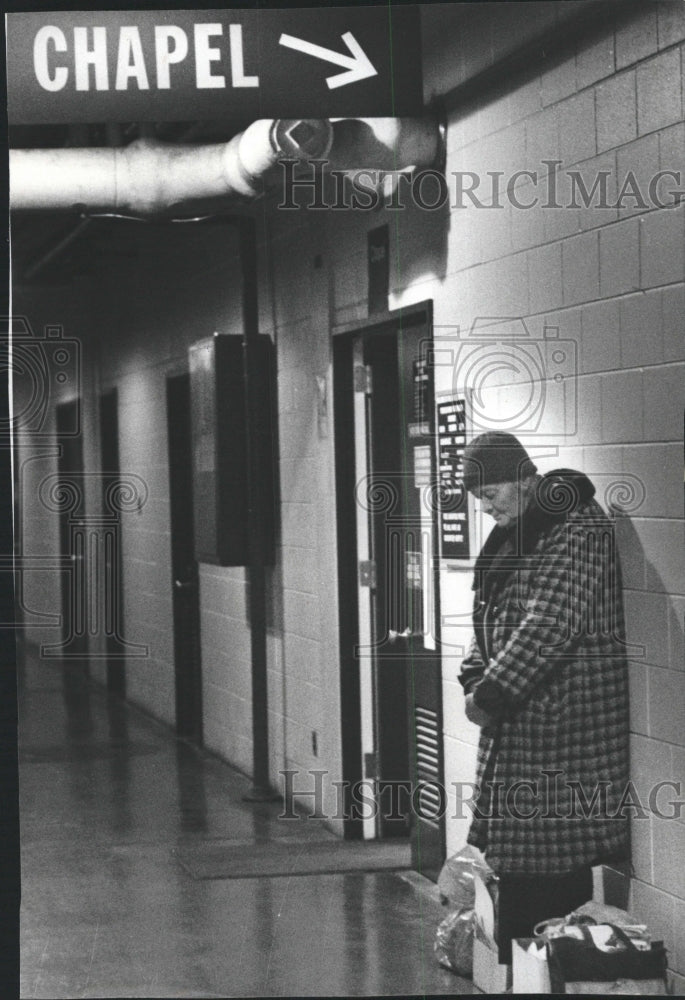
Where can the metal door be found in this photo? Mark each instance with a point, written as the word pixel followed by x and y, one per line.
pixel 109 447
pixel 184 570
pixel 397 612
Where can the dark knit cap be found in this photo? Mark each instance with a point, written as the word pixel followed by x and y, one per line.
pixel 495 457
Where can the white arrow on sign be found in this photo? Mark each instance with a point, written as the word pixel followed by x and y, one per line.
pixel 357 65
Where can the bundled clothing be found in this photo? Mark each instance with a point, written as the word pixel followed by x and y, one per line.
pixel 548 665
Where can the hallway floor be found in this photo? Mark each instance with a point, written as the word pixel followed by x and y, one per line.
pixel 108 796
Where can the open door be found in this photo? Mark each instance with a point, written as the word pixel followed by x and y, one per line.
pixel 184 570
pixel 390 609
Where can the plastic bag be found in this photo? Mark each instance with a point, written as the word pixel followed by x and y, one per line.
pixel 454 941
pixel 602 913
pixel 457 875
pixel 591 912
pixel 456 884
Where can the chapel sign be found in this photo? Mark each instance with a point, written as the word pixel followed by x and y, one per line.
pixel 173 65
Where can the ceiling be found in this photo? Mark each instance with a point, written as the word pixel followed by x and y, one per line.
pixel 49 247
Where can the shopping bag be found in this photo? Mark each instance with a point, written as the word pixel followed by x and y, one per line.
pixel 530 969
pixel 577 965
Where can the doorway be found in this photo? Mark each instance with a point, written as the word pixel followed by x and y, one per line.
pixel 109 451
pixel 72 517
pixel 391 683
pixel 184 568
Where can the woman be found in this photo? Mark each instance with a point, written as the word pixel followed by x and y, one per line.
pixel 546 680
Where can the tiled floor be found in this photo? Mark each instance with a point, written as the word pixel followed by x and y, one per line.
pixel 107 795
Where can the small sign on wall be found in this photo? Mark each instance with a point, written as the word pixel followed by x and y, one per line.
pixel 422 466
pixel 423 398
pixel 413 564
pixel 453 503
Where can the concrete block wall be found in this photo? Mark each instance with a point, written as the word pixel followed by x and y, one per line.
pixel 611 280
pixel 36 530
pixel 304 677
pixel 146 554
pixel 136 318
pixel 40 584
pixel 157 312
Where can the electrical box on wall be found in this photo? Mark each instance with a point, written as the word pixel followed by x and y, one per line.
pixel 220 448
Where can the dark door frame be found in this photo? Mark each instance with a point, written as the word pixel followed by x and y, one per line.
pixel 343 401
pixel 74 596
pixel 109 450
pixel 184 567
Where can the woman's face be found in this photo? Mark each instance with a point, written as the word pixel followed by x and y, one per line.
pixel 505 502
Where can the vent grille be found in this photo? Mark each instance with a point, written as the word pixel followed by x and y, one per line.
pixel 428 765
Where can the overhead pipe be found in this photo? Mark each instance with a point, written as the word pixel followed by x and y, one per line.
pixel 386 143
pixel 148 177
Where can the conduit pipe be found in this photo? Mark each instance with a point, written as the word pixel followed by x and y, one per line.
pixel 149 177
pixel 386 143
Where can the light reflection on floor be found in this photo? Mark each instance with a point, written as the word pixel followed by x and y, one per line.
pixel 107 794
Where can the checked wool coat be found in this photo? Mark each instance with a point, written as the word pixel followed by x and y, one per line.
pixel 548 664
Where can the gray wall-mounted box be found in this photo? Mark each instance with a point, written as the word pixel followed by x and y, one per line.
pixel 220 449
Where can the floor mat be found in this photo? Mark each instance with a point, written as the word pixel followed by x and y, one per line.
pixel 245 859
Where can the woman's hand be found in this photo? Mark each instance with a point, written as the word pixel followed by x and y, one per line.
pixel 475 714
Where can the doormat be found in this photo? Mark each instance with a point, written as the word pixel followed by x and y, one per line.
pixel 270 859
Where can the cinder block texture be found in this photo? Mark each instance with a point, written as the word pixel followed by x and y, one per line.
pixel 619 258
pixel 670 28
pixel 662 246
pixel 659 98
pixel 616 111
pixel 637 38
pixel 580 266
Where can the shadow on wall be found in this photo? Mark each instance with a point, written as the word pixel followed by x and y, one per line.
pixel 418 216
pixel 653 620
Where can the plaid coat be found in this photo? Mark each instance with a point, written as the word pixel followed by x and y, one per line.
pixel 548 664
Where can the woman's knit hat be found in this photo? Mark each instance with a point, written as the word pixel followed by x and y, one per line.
pixel 495 457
